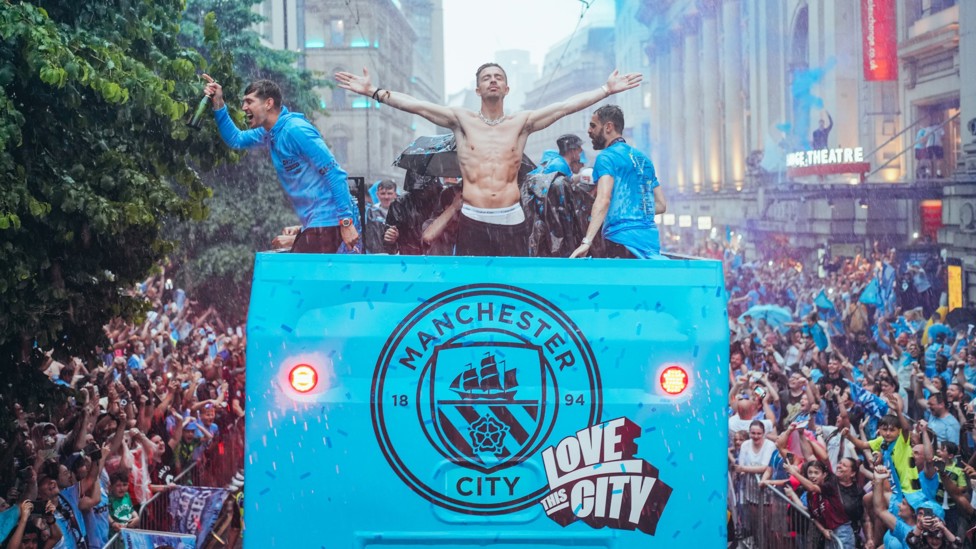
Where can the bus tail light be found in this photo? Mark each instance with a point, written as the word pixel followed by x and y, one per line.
pixel 303 378
pixel 674 380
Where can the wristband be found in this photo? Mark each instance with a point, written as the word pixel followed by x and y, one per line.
pixel 586 241
pixel 606 90
pixel 376 95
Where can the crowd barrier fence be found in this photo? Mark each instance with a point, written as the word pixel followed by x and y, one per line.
pixel 216 467
pixel 765 518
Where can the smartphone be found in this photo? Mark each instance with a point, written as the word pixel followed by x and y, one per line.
pixel 39 506
pixel 760 392
pixel 926 512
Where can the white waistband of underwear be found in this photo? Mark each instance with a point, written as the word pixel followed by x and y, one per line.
pixel 512 215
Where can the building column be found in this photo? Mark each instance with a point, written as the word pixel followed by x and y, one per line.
pixel 732 89
pixel 711 81
pixel 675 113
pixel 693 103
pixel 657 52
pixel 967 94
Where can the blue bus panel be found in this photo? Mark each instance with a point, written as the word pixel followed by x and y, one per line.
pixel 402 402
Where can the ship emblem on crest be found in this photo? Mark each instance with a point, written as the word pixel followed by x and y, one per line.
pixel 483 417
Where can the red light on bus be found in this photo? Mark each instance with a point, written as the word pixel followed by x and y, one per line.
pixel 303 378
pixel 674 380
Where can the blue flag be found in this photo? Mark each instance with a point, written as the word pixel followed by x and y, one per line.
pixel 194 510
pixel 873 404
pixel 823 302
pixel 886 289
pixel 869 296
pixel 145 539
pixel 819 337
pixel 8 521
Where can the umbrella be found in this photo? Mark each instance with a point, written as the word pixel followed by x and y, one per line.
pixel 774 315
pixel 960 317
pixel 436 155
pixel 936 329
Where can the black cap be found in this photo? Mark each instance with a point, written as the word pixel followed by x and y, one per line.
pixel 568 142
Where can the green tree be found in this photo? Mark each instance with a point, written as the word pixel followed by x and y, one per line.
pixel 248 206
pixel 94 158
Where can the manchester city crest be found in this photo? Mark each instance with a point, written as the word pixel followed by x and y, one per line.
pixel 473 383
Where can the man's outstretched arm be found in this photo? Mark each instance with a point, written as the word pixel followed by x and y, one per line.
pixel 438 114
pixel 542 118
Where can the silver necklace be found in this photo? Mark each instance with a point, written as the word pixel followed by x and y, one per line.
pixel 491 121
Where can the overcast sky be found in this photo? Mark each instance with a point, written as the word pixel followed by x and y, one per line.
pixel 475 29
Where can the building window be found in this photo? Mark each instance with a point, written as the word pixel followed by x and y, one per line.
pixel 267 26
pixel 918 9
pixel 339 102
pixel 340 149
pixel 337 32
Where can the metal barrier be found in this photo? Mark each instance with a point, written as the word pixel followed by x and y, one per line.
pixel 765 518
pixel 217 466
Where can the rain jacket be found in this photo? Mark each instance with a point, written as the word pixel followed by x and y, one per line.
pixel 307 170
pixel 549 214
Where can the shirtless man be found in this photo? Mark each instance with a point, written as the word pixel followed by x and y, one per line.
pixel 489 151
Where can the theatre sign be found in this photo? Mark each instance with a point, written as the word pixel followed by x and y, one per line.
pixel 827 162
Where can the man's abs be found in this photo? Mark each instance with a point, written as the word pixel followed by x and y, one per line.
pixel 492 195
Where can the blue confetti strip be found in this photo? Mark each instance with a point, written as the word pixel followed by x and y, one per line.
pixel 403 266
pixel 352 313
pixel 568 298
pixel 300 303
pixel 341 432
pixel 614 315
pixel 618 491
pixel 370 304
pixel 658 306
pixel 265 491
pixel 270 474
pixel 676 532
pixel 286 328
pixel 639 328
pixel 694 352
pixel 328 442
pixel 578 509
pixel 304 476
pixel 650 429
pixel 386 285
pixel 593 295
pixel 696 525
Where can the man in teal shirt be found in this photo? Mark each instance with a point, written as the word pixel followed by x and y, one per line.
pixel 628 192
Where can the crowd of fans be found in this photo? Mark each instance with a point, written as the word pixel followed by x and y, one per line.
pixel 851 395
pixel 135 418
